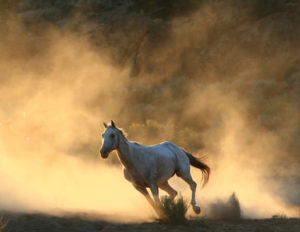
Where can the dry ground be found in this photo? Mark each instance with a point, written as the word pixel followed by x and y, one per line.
pixel 79 223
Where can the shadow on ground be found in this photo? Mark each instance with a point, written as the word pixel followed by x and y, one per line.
pixel 92 223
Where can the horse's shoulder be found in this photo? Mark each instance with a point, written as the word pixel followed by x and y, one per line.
pixel 139 146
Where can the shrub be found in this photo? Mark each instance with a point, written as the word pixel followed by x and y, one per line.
pixel 172 211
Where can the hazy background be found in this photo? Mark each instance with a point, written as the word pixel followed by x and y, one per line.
pixel 219 78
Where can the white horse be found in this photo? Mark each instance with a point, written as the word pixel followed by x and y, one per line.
pixel 152 166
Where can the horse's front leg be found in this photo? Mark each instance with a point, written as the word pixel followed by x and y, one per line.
pixel 154 191
pixel 142 190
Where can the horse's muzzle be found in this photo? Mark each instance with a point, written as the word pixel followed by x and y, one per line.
pixel 104 153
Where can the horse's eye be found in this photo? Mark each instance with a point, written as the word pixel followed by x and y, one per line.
pixel 112 136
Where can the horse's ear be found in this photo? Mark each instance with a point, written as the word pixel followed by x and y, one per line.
pixel 105 125
pixel 113 124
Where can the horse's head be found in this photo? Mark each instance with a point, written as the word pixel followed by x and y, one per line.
pixel 110 140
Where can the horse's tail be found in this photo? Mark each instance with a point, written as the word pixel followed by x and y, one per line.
pixel 197 163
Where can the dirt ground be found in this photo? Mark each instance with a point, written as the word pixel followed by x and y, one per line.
pixel 78 223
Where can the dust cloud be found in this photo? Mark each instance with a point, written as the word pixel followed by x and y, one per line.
pixel 229 210
pixel 243 165
pixel 235 107
pixel 47 128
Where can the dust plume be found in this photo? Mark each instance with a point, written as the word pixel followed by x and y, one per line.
pixel 228 89
pixel 247 159
pixel 222 80
pixel 50 136
pixel 229 210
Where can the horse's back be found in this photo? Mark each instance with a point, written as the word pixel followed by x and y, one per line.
pixel 169 149
pixel 171 158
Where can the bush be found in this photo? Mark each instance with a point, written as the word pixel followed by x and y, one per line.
pixel 172 211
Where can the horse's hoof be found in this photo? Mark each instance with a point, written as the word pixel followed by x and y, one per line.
pixel 196 209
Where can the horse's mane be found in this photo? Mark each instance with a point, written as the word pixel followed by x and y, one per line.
pixel 125 135
pixel 121 132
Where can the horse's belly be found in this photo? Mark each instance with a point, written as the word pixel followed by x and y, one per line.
pixel 140 182
pixel 135 178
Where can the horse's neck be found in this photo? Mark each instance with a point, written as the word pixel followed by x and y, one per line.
pixel 124 153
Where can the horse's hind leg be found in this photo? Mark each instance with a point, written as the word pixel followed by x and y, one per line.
pixel 166 187
pixel 186 175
